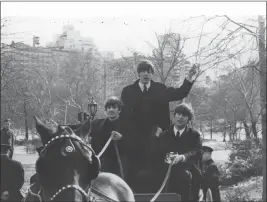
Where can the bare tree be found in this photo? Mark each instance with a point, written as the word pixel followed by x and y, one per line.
pixel 262 64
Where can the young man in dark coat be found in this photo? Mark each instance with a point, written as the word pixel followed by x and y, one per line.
pixel 146 110
pixel 12 176
pixel 7 136
pixel 101 131
pixel 180 145
pixel 211 174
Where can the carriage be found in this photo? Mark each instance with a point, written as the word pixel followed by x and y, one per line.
pixel 161 195
pixel 67 135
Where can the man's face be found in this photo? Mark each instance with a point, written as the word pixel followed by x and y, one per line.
pixel 180 120
pixel 7 124
pixel 145 76
pixel 113 112
pixel 206 156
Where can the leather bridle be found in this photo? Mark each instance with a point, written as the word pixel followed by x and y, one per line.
pixel 68 186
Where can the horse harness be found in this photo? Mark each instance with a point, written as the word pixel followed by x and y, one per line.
pixel 68 149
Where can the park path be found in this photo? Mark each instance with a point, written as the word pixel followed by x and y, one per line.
pixel 20 155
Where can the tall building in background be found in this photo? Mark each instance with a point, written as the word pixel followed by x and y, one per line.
pixel 170 42
pixel 71 39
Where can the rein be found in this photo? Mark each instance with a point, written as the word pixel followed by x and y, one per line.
pixel 117 154
pixel 163 183
pixel 34 194
pixel 105 147
pixel 167 176
pixel 94 191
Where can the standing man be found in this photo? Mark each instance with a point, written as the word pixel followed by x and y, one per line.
pixel 7 136
pixel 211 174
pixel 102 129
pixel 146 110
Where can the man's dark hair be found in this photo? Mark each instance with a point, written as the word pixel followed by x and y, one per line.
pixel 145 65
pixel 114 101
pixel 7 120
pixel 185 110
pixel 207 149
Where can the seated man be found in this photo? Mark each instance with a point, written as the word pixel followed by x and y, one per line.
pixel 185 144
pixel 12 176
pixel 101 131
pixel 210 173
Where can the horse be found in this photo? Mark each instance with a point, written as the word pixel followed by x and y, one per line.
pixel 68 169
pixel 12 176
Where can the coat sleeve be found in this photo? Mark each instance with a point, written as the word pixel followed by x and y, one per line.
pixel 128 141
pixel 127 104
pixel 175 94
pixel 213 171
pixel 95 140
pixel 195 147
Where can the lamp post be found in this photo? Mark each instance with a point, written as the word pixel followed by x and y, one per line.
pixel 92 108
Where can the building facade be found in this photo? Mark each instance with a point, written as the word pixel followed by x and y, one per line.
pixel 71 39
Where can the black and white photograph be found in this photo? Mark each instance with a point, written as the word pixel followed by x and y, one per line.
pixel 133 101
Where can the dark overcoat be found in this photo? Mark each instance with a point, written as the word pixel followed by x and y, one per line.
pixel 211 180
pixel 189 144
pixel 100 133
pixel 143 113
pixel 12 177
pixel 7 137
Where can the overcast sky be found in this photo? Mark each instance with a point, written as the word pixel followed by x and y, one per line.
pixel 118 26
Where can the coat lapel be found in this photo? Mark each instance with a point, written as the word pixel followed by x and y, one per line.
pixel 184 133
pixel 137 87
pixel 171 133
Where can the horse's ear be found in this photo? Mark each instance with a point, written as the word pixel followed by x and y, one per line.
pixel 84 130
pixel 44 131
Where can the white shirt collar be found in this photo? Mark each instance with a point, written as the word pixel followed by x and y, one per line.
pixel 180 131
pixel 142 85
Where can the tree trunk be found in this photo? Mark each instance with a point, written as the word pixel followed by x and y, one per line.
pixel 66 114
pixel 224 130
pixel 200 126
pixel 211 128
pixel 105 82
pixel 230 132
pixel 262 63
pixel 254 129
pixel 26 122
pixel 246 127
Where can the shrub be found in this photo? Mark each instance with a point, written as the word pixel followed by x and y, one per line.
pixel 245 161
pixel 250 190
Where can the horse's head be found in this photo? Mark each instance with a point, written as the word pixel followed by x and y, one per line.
pixel 66 164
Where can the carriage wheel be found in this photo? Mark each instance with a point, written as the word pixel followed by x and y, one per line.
pixel 208 196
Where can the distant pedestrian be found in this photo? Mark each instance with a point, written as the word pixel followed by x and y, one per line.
pixel 7 137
